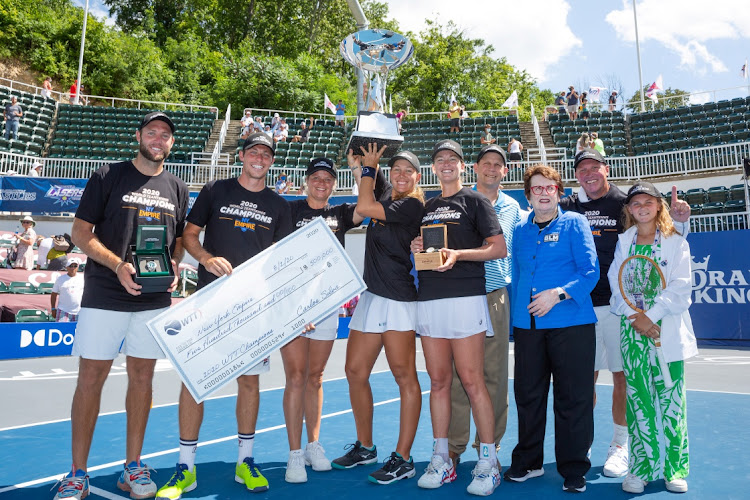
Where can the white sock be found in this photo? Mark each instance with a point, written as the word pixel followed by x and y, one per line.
pixel 620 437
pixel 246 446
pixel 487 452
pixel 440 447
pixel 188 449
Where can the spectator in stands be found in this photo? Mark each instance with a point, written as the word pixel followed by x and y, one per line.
pixel 25 249
pixel 400 116
pixel 47 88
pixel 597 143
pixel 514 150
pixel 572 98
pixel 36 169
pixel 247 123
pixel 72 92
pixel 275 122
pixel 57 256
pixel 304 131
pixel 340 108
pixel 560 103
pixel 454 113
pixel 585 106
pixel 43 245
pixel 69 289
pixel 280 134
pixel 583 142
pixel 612 100
pixel 258 124
pixel 282 186
pixel 486 138
pixel 268 132
pixel 12 114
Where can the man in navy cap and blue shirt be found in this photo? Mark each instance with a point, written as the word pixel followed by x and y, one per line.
pixel 242 217
pixel 118 199
pixel 602 203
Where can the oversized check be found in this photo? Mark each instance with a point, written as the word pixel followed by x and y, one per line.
pixel 220 332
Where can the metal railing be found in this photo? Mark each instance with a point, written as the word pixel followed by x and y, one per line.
pixel 63 97
pixel 222 136
pixel 726 157
pixel 538 137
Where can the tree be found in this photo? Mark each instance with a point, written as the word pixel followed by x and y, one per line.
pixel 669 98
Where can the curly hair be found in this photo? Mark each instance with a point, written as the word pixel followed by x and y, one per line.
pixel 545 171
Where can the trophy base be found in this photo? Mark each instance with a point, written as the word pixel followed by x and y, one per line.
pixel 380 128
pixel 362 139
pixel 428 261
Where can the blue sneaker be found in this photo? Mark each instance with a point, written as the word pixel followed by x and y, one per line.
pixel 75 485
pixel 136 478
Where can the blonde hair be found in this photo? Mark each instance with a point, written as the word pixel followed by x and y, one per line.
pixel 417 193
pixel 663 219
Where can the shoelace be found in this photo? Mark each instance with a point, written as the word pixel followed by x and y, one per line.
pixel 432 467
pixel 179 475
pixel 139 474
pixel 252 467
pixel 297 460
pixel 390 463
pixel 69 486
pixel 481 471
pixel 353 448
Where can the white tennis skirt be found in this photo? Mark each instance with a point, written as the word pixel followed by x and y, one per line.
pixel 454 318
pixel 376 314
pixel 325 329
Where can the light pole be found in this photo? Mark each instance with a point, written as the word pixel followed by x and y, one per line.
pixel 638 52
pixel 80 58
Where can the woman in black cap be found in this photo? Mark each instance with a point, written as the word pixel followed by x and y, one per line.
pixel 386 314
pixel 453 318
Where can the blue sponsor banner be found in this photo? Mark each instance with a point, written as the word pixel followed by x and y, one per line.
pixel 36 340
pixel 721 287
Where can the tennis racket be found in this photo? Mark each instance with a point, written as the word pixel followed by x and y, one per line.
pixel 640 281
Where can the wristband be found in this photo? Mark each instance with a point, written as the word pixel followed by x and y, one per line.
pixel 369 172
pixel 117 267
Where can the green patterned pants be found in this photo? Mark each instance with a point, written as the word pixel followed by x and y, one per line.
pixel 648 398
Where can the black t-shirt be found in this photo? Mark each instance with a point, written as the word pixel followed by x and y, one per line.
pixel 387 250
pixel 118 199
pixel 605 218
pixel 339 218
pixel 239 223
pixel 470 219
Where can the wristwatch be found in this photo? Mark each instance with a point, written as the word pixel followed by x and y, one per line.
pixel 561 294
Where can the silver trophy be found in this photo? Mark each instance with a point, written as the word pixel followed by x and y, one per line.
pixel 375 53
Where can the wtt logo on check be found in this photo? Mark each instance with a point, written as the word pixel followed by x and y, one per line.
pixel 174 326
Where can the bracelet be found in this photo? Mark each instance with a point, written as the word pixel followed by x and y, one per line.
pixel 117 267
pixel 368 172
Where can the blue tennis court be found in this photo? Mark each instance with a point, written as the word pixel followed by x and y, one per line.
pixel 34 457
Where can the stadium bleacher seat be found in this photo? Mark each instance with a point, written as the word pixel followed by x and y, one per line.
pixel 33 125
pixel 31 316
pixel 23 287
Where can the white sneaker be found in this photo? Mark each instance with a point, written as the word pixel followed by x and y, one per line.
pixel 437 473
pixel 295 467
pixel 136 478
pixel 486 479
pixel 315 456
pixel 676 485
pixel 633 484
pixel 616 464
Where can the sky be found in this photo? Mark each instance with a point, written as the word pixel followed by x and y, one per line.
pixel 695 46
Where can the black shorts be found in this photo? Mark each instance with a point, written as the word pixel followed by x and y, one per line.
pixel 455 122
pixel 515 157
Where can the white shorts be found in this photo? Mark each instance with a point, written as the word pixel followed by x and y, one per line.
pixel 100 333
pixel 376 314
pixel 325 329
pixel 454 318
pixel 608 354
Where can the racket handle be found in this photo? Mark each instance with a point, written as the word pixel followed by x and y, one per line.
pixel 663 365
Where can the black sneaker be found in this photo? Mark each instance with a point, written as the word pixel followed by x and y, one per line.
pixel 394 469
pixel 575 484
pixel 357 455
pixel 519 476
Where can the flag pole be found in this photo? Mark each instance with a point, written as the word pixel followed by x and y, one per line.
pixel 638 53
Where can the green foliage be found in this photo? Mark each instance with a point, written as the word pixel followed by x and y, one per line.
pixel 251 53
pixel 669 98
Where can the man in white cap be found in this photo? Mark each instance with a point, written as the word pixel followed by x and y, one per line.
pixel 68 289
pixel 36 169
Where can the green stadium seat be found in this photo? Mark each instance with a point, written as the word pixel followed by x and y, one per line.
pixel 713 208
pixel 696 196
pixel 22 287
pixel 737 192
pixel 31 316
pixel 734 206
pixel 717 194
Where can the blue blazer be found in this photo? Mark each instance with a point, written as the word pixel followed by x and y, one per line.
pixel 561 255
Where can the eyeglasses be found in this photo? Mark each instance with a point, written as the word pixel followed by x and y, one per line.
pixel 551 189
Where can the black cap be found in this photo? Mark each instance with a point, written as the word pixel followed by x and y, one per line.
pixel 321 164
pixel 405 155
pixel 156 115
pixel 449 145
pixel 642 187
pixel 259 138
pixel 492 148
pixel 588 154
